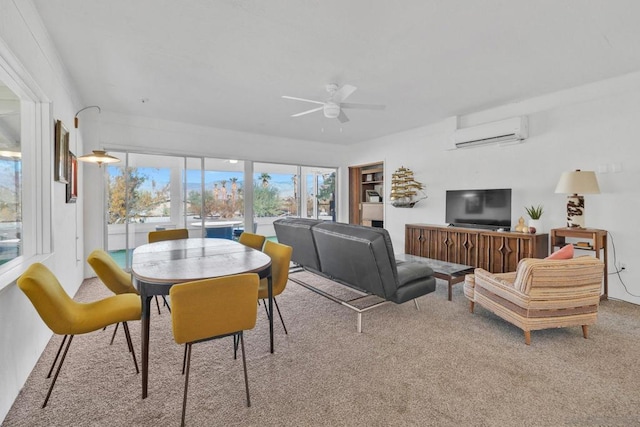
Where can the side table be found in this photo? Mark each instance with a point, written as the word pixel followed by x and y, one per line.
pixel 596 240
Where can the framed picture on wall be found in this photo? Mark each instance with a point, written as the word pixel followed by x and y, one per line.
pixel 72 185
pixel 61 160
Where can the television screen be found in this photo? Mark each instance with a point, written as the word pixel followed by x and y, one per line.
pixel 479 208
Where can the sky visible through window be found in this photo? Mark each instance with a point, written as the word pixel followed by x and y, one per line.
pixel 162 176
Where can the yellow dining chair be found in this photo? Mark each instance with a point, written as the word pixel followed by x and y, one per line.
pixel 175 234
pixel 252 240
pixel 161 235
pixel 213 308
pixel 109 272
pixel 280 259
pixel 64 316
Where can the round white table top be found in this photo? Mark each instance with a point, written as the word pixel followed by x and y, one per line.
pixel 185 260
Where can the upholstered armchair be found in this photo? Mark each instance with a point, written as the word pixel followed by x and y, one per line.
pixel 541 293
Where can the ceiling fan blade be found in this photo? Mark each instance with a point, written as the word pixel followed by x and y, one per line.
pixel 302 99
pixel 313 110
pixel 343 117
pixel 363 106
pixel 343 93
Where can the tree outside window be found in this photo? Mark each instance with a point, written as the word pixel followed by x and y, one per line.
pixel 223 197
pixel 133 195
pixel 10 206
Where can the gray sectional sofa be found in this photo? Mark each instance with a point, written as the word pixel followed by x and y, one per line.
pixel 356 256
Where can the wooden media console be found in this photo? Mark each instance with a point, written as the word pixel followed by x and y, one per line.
pixel 495 251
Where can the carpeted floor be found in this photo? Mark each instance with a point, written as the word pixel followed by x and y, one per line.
pixel 440 366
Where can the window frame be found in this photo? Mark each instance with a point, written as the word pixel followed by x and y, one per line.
pixel 36 131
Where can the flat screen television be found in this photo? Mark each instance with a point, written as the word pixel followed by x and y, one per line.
pixel 489 209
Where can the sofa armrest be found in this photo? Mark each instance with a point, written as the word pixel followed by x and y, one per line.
pixel 501 285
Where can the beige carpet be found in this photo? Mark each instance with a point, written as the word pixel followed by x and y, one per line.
pixel 440 366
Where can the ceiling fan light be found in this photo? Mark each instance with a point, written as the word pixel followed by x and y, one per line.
pixel 331 110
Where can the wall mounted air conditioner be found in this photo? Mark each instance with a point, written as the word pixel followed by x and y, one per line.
pixel 510 130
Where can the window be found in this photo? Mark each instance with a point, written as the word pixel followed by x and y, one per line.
pixel 224 189
pixel 289 190
pixel 10 176
pixel 144 194
pixel 26 133
pixel 320 193
pixel 148 192
pixel 275 190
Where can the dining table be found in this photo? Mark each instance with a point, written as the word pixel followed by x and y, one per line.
pixel 158 266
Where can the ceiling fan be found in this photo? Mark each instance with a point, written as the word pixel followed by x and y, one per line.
pixel 333 106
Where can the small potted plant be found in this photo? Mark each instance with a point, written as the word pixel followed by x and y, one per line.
pixel 535 223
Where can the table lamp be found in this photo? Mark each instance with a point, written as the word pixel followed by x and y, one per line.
pixel 576 183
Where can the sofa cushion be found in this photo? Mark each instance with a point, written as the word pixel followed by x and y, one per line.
pixel 414 289
pixel 357 256
pixel 409 271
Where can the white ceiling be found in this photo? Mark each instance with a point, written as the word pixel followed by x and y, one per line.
pixel 226 63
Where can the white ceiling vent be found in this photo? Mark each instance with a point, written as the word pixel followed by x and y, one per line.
pixel 510 130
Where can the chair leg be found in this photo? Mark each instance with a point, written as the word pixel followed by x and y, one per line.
pixel 166 304
pixel 55 377
pixel 244 365
pixel 527 337
pixel 57 355
pixel 585 331
pixel 266 309
pixel 130 344
pixel 184 359
pixel 157 304
pixel 186 380
pixel 279 314
pixel 236 342
pixel 471 306
pixel 415 301
pixel 114 334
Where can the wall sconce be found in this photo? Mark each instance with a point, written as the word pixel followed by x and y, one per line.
pixel 97 156
pixel 575 184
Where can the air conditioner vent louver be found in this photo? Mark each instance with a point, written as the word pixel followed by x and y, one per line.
pixel 511 130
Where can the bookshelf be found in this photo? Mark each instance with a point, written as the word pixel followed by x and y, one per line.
pixel 366 194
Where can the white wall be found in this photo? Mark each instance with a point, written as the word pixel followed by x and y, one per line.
pixel 582 128
pixel 23 335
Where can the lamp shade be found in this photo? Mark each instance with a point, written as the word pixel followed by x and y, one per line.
pixel 578 182
pixel 99 157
